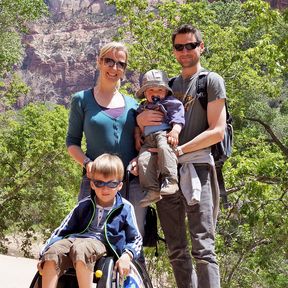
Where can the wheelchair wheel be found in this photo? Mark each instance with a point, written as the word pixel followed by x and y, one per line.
pixel 69 279
pixel 137 278
pixel 106 265
pixel 145 276
pixel 36 282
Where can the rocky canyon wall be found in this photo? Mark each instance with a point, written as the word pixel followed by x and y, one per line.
pixel 61 50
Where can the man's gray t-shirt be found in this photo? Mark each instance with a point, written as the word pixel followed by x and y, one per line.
pixel 195 115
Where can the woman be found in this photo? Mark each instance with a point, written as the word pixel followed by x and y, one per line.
pixel 107 119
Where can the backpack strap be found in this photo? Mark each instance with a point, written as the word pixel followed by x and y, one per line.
pixel 201 89
pixel 221 184
pixel 171 81
pixel 202 96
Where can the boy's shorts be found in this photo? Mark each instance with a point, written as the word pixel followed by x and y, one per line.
pixel 66 252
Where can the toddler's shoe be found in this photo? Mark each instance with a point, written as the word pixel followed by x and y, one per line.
pixel 169 187
pixel 150 197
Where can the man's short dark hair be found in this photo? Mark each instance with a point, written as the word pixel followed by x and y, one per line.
pixel 186 28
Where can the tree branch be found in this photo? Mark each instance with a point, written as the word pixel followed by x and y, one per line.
pixel 268 129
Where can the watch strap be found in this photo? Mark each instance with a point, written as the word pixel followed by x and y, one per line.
pixel 180 151
pixel 86 161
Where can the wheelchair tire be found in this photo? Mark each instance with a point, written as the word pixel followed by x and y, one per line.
pixel 144 274
pixel 106 265
pixel 69 279
pixel 36 282
pixel 138 277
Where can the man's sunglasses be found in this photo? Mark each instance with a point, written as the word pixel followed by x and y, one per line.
pixel 110 184
pixel 111 62
pixel 188 46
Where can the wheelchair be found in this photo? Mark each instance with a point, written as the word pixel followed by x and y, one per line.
pixel 104 276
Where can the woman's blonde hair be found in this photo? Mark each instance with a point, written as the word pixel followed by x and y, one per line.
pixel 108 165
pixel 111 46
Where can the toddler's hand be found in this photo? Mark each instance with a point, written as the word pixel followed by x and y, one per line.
pixel 173 137
pixel 133 167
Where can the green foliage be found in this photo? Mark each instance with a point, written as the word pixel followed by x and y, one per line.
pixel 15 15
pixel 246 43
pixel 14 89
pixel 156 263
pixel 10 50
pixel 38 179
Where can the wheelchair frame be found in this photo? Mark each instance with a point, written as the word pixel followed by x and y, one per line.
pixel 109 279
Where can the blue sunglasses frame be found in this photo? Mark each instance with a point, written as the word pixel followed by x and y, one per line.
pixel 109 184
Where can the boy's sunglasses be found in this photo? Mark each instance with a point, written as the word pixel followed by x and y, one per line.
pixel 111 62
pixel 188 46
pixel 110 184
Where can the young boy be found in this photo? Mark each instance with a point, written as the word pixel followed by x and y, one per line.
pixel 164 137
pixel 80 239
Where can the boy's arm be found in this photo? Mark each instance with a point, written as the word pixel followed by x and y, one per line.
pixel 133 237
pixel 133 243
pixel 175 110
pixel 123 264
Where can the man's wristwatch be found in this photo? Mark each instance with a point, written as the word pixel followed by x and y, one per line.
pixel 179 151
pixel 86 161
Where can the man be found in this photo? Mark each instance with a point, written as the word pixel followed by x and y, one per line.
pixel 203 129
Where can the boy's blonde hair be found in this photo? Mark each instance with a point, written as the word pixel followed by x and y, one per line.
pixel 108 165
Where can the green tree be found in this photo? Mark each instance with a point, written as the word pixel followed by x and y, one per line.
pixel 246 44
pixel 38 179
pixel 15 14
pixel 14 18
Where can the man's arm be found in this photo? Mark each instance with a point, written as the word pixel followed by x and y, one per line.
pixel 216 116
pixel 149 118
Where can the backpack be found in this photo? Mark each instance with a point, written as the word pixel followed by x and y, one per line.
pixel 151 236
pixel 222 150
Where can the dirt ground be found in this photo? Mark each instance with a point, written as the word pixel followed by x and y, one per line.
pixel 16 272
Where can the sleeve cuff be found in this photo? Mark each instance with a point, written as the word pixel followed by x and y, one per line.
pixel 129 253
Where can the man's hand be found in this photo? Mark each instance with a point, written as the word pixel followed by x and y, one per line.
pixel 149 118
